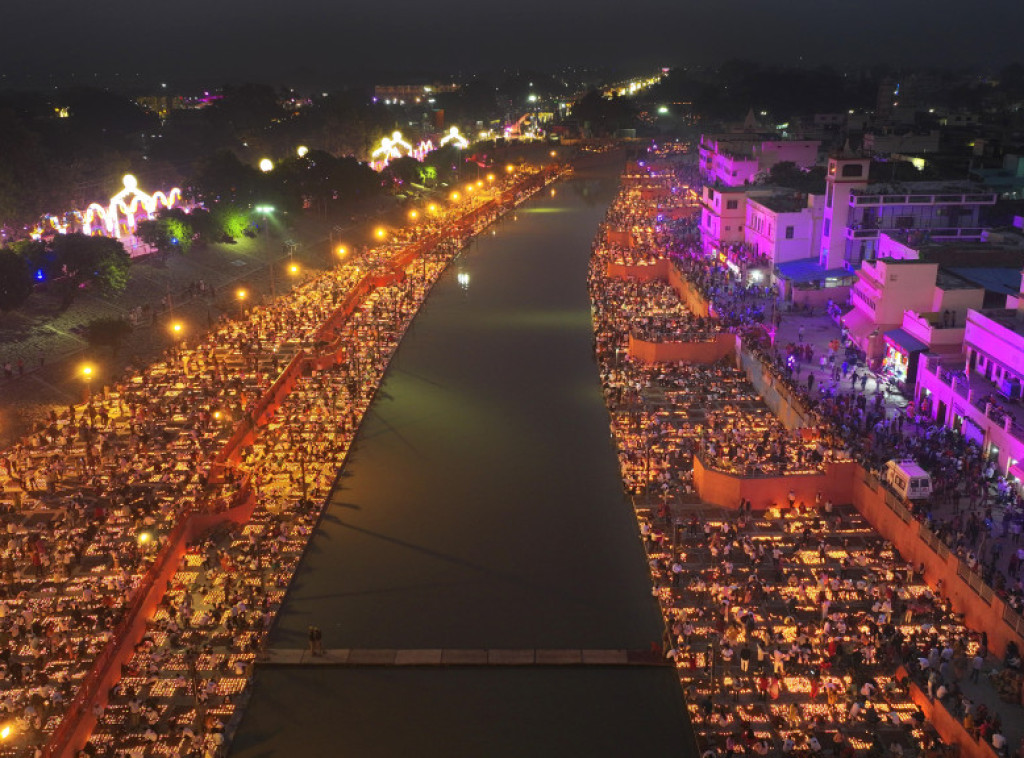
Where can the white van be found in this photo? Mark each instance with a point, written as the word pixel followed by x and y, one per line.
pixel 910 481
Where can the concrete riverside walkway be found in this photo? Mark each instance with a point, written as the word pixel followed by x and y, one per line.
pixel 460 657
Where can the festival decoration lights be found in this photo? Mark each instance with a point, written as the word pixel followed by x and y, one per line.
pixel 455 138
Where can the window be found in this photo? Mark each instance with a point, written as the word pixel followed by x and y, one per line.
pixel 828 197
pixel 789 232
pixel 853 169
pixel 732 205
pixel 827 229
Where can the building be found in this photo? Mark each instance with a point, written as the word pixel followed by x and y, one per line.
pixel 887 141
pixel 783 227
pixel 723 215
pixel 733 160
pixel 978 391
pixel 857 213
pixel 888 288
pixel 410 93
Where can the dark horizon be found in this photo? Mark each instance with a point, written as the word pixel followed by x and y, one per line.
pixel 313 43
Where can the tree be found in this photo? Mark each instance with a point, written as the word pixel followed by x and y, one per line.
pixel 170 230
pixel 107 332
pixel 98 261
pixel 15 280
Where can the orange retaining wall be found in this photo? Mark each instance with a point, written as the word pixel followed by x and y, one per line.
pixel 106 671
pixel 693 299
pixel 724 345
pixel 906 538
pixel 78 722
pixel 644 273
pixel 765 492
pixel 950 730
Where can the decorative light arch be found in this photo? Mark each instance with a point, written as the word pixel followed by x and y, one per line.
pixel 455 138
pixel 129 202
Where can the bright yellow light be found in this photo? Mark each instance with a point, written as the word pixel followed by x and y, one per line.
pixel 380 233
pixel 510 168
pixel 553 153
pixel 144 538
pixel 5 733
pixel 470 188
pixel 455 196
pixel 293 269
pixel 266 165
pixel 342 251
pixel 176 327
pixel 479 182
pixel 490 177
pixel 87 371
pixel 216 415
pixel 242 294
pixel 432 208
pixel 414 215
pixel 302 151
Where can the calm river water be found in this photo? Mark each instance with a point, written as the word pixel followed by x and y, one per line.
pixel 481 508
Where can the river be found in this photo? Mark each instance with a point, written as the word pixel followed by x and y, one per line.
pixel 481 508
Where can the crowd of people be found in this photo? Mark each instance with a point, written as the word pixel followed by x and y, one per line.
pixel 665 414
pixel 792 630
pixel 91 497
pixel 800 630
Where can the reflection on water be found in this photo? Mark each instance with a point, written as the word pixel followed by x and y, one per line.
pixel 482 507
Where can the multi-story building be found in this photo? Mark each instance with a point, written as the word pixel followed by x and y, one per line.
pixel 783 227
pixel 978 392
pixel 723 215
pixel 733 160
pixel 887 289
pixel 856 212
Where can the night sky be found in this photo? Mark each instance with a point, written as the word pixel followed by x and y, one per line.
pixel 326 40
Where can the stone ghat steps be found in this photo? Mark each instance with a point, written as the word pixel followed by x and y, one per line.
pixel 460 657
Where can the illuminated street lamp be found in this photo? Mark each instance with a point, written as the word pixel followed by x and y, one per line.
pixel 342 251
pixel 413 215
pixel 177 328
pixel 510 168
pixel 266 165
pixel 455 197
pixel 490 177
pixel 88 372
pixel 5 732
pixel 380 233
pixel 242 294
pixel 302 150
pixel 432 208
pixel 293 269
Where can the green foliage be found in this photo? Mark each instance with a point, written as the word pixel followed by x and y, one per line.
pixel 107 332
pixel 15 280
pixel 170 230
pixel 100 261
pixel 230 221
pixel 428 175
